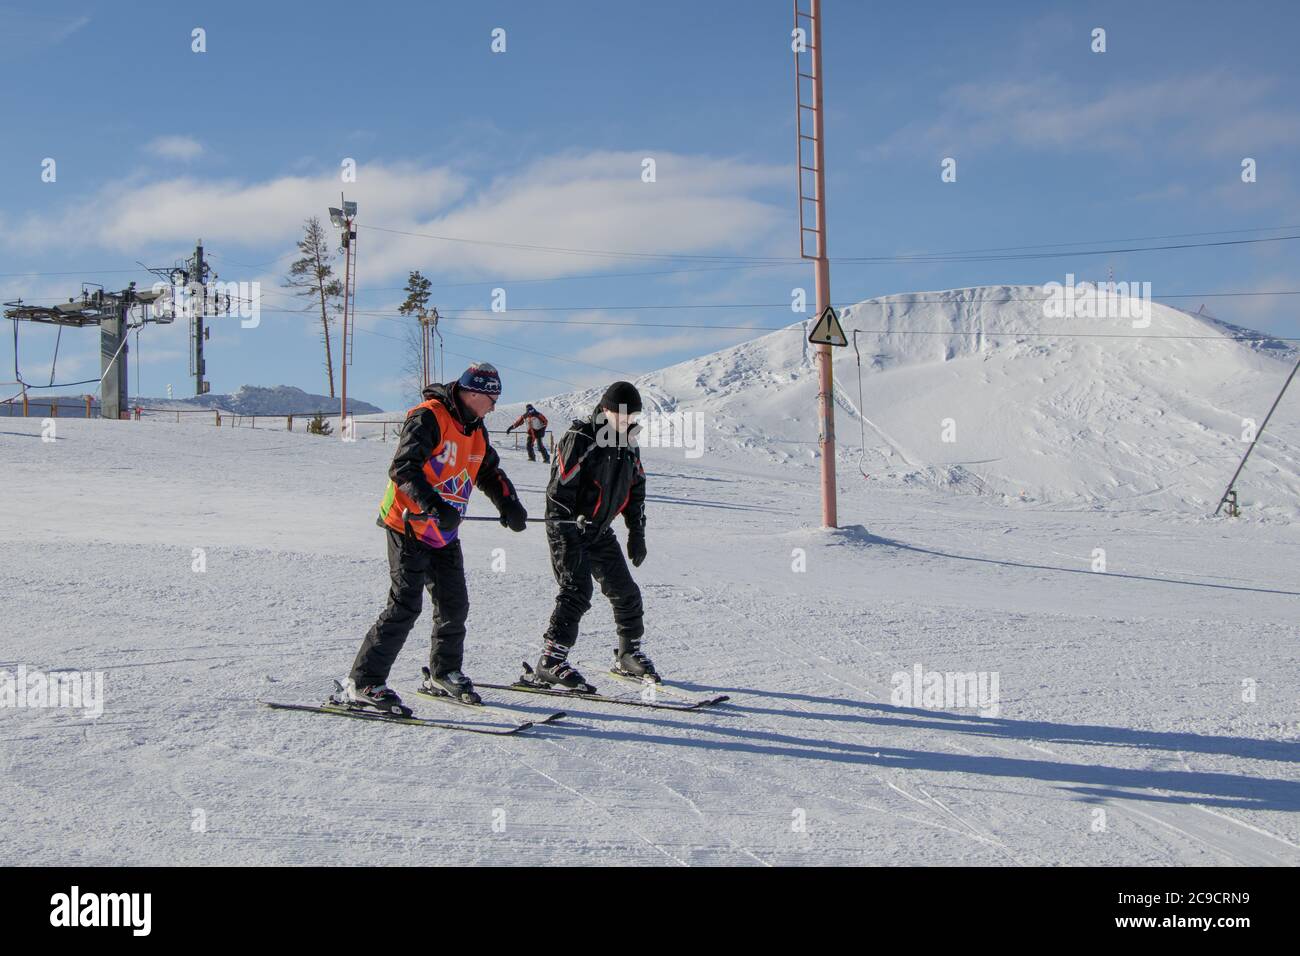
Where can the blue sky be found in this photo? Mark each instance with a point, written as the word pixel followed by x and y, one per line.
pixel 542 146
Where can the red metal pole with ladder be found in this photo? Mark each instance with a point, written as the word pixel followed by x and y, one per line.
pixel 807 46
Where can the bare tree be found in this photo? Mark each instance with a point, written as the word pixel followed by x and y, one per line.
pixel 412 382
pixel 312 277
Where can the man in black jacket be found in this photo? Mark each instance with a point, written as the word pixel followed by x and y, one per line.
pixel 596 476
pixel 442 454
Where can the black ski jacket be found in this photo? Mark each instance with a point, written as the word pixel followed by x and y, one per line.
pixel 593 475
pixel 420 436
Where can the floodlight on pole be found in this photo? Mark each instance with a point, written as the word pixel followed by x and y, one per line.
pixel 343 218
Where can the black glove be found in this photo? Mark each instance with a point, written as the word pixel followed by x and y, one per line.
pixel 510 429
pixel 513 515
pixel 445 515
pixel 636 547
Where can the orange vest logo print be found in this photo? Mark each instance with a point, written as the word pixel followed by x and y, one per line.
pixel 456 489
pixel 452 484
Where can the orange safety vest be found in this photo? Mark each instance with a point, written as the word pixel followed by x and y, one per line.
pixel 451 470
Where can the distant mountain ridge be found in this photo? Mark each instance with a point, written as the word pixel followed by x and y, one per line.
pixel 262 400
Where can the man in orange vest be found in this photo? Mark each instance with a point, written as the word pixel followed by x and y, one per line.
pixel 536 423
pixel 442 455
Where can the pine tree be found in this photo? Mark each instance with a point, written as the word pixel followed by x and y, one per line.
pixel 312 277
pixel 415 375
pixel 417 295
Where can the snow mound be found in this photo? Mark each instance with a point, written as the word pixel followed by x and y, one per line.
pixel 988 391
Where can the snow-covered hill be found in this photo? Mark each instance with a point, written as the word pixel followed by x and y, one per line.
pixel 978 390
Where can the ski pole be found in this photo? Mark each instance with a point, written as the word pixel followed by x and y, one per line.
pixel 581 522
pixel 409 516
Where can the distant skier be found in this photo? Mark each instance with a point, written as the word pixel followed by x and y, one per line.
pixel 596 476
pixel 536 423
pixel 442 455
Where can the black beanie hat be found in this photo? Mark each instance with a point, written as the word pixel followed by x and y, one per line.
pixel 621 393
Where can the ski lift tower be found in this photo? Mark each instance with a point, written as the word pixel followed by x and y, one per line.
pixel 115 313
pixel 190 295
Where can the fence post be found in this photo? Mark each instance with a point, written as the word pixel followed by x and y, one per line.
pixel 88 401
pixel 218 414
pixel 290 417
pixel 54 408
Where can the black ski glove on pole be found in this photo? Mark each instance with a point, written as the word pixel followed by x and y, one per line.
pixel 513 515
pixel 447 515
pixel 636 547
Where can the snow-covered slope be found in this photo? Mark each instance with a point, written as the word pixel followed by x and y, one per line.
pixel 1076 411
pixel 198 569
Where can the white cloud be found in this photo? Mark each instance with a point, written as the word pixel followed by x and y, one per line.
pixel 1213 112
pixel 592 201
pixel 66 28
pixel 134 215
pixel 22 32
pixel 175 147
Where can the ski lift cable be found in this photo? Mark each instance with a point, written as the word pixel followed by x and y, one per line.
pixel 919 258
pixel 789 261
pixel 18 378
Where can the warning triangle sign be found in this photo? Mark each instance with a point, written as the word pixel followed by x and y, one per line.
pixel 828 331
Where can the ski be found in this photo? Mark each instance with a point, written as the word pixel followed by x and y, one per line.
pixel 522 687
pixel 499 710
pixel 663 687
pixel 341 711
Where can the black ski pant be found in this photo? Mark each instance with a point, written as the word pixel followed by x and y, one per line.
pixel 575 560
pixel 414 566
pixel 540 438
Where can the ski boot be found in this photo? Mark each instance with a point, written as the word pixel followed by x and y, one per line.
pixel 634 664
pixel 379 698
pixel 452 684
pixel 553 668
